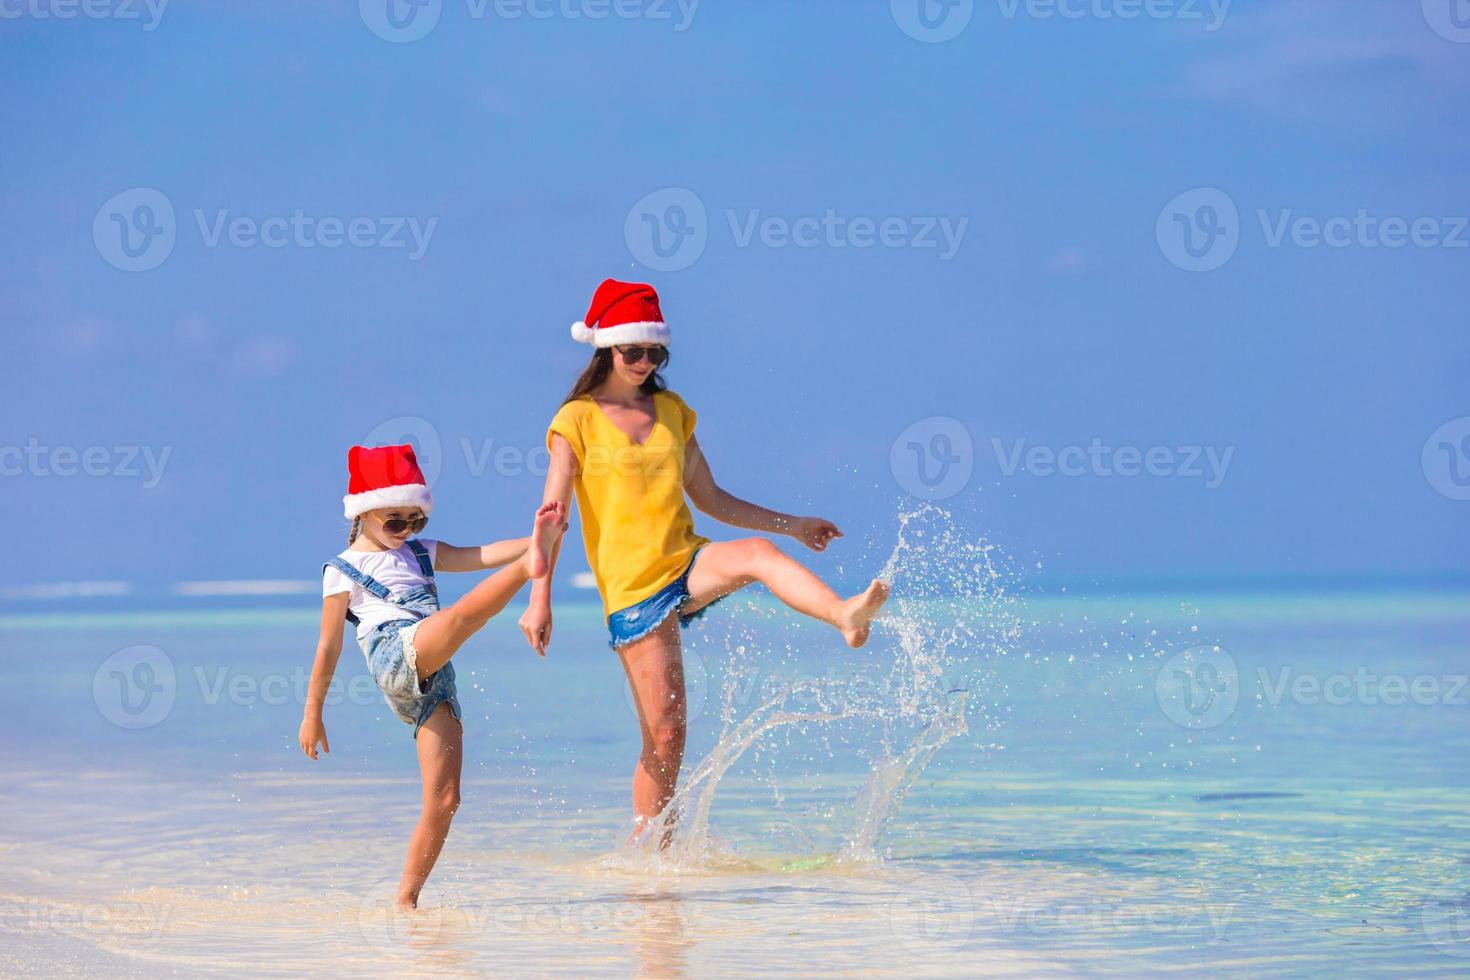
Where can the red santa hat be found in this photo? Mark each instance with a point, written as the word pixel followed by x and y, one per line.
pixel 384 476
pixel 622 313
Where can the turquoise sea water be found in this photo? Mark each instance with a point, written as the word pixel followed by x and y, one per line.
pixel 1002 782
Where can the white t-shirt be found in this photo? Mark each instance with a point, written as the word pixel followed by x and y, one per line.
pixel 398 570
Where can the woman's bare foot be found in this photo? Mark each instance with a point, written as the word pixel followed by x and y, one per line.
pixel 550 521
pixel 406 904
pixel 855 617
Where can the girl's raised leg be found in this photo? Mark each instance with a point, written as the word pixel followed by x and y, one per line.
pixel 726 566
pixel 440 635
pixel 655 668
pixel 440 745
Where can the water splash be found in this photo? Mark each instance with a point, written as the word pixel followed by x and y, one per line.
pixel 952 608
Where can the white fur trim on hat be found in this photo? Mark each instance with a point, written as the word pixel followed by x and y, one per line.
pixel 644 332
pixel 407 495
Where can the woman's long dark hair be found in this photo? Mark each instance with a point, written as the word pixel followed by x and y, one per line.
pixel 597 370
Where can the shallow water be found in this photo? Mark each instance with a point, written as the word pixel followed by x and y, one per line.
pixel 1129 785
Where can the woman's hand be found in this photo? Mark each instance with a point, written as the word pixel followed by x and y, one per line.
pixel 313 732
pixel 814 532
pixel 535 623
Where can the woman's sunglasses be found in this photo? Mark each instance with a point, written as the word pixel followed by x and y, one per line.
pixel 397 525
pixel 632 355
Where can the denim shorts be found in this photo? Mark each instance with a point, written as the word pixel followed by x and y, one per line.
pixel 640 619
pixel 393 662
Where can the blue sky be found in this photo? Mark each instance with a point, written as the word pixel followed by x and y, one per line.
pixel 1056 316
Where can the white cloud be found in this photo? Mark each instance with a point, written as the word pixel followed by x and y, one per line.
pixel 1349 60
pixel 264 355
pixel 83 336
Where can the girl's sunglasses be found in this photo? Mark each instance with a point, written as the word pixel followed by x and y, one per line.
pixel 397 525
pixel 632 355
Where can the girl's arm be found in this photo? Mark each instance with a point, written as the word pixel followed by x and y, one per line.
pixel 535 623
pixel 328 650
pixel 723 506
pixel 453 558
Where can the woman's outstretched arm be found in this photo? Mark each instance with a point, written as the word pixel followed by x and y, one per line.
pixel 699 482
pixel 535 622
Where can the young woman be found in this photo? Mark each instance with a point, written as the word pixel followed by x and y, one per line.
pixel 384 585
pixel 626 446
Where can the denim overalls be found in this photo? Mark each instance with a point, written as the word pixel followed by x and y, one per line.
pixel 386 647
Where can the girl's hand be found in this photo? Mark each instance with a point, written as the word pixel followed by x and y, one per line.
pixel 312 732
pixel 814 532
pixel 535 624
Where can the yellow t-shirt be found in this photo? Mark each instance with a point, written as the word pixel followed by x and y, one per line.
pixel 636 524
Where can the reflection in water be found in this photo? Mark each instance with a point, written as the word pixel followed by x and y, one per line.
pixel 657 931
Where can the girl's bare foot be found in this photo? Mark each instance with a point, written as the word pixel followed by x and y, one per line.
pixel 406 904
pixel 855 616
pixel 545 530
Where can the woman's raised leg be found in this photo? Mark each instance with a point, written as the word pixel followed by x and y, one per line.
pixel 440 745
pixel 655 668
pixel 726 566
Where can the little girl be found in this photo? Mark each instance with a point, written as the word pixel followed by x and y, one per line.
pixel 384 585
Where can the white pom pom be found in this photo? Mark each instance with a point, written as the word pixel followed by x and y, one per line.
pixel 581 333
